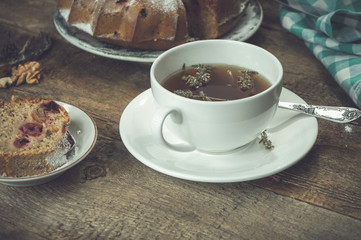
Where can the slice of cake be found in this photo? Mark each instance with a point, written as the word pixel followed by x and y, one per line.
pixel 30 130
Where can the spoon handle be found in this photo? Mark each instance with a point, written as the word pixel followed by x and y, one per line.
pixel 334 114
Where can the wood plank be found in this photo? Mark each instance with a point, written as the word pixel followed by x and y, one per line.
pixel 34 16
pixel 110 195
pixel 128 200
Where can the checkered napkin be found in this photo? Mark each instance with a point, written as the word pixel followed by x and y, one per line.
pixel 332 31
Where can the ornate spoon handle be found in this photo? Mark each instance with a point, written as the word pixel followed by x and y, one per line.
pixel 334 114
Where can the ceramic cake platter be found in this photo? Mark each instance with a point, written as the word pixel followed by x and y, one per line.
pixel 248 25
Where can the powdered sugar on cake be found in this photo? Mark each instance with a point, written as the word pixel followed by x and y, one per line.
pixel 62 152
pixel 165 5
pixel 86 27
pixel 65 13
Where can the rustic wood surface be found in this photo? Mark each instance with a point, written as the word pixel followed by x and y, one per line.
pixel 111 195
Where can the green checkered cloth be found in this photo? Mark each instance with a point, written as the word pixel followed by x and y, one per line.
pixel 331 29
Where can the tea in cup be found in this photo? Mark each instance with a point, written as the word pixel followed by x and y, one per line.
pixel 215 95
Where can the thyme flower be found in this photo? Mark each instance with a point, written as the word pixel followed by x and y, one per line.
pixel 245 80
pixel 201 78
pixel 204 96
pixel 184 93
pixel 265 141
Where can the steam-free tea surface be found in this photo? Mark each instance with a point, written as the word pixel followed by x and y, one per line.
pixel 216 82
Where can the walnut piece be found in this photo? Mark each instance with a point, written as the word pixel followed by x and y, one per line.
pixel 5 82
pixel 29 73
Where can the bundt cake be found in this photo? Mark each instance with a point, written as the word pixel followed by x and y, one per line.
pixel 30 131
pixel 152 24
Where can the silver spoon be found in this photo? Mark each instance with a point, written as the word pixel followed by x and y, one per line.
pixel 334 114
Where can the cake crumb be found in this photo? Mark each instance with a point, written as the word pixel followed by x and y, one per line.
pixel 348 128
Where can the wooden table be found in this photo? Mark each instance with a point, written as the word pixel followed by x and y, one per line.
pixel 111 195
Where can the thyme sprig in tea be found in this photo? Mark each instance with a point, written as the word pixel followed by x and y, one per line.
pixel 200 96
pixel 201 78
pixel 216 82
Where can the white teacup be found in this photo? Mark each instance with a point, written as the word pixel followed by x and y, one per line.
pixel 213 126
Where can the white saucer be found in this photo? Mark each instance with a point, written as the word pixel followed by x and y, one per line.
pixel 248 25
pixel 292 134
pixel 84 131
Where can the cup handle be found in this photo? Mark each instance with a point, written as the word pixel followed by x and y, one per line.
pixel 157 129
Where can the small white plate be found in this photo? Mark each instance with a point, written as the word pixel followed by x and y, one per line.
pixel 84 131
pixel 292 134
pixel 248 25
